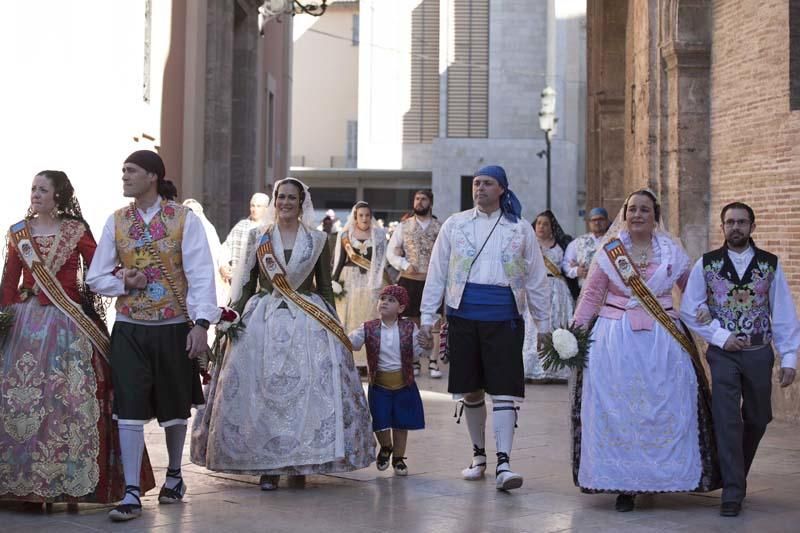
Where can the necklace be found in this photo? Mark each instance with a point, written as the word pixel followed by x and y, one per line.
pixel 640 256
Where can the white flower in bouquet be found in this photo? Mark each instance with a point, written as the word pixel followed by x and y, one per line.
pixel 565 344
pixel 337 287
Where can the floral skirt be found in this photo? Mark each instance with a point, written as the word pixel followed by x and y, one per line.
pixel 286 399
pixel 57 440
pixel 358 305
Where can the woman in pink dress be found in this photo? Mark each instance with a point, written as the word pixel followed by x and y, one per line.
pixel 641 419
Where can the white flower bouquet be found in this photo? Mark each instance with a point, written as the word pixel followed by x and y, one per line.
pixel 338 289
pixel 566 348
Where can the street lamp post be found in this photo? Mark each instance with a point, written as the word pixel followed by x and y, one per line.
pixel 547 123
pixel 273 9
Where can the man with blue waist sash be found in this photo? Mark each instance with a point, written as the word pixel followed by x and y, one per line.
pixel 487 266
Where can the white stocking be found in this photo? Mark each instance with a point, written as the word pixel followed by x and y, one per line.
pixel 131 444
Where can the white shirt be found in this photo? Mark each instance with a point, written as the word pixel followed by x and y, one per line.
pixel 785 326
pixel 389 359
pixel 198 266
pixel 396 243
pixel 571 256
pixel 488 268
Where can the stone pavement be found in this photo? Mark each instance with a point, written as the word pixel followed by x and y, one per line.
pixel 433 497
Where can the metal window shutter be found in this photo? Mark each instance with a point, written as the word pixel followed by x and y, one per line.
pixel 421 122
pixel 468 72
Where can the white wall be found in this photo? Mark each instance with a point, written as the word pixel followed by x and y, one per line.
pixel 385 86
pixel 325 75
pixel 71 96
pixel 532 44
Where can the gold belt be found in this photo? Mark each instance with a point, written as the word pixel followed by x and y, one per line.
pixel 390 380
pixel 416 276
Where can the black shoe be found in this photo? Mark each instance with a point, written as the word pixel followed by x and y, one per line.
pixel 399 465
pixel 127 511
pixel 382 461
pixel 175 494
pixel 730 508
pixel 624 503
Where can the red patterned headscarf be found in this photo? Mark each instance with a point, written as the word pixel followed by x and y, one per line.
pixel 398 292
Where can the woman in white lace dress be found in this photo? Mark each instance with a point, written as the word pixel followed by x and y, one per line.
pixel 552 241
pixel 359 264
pixel 287 398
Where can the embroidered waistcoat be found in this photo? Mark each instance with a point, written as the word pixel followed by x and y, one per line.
pixel 741 305
pixel 586 248
pixel 372 343
pixel 418 242
pixel 156 301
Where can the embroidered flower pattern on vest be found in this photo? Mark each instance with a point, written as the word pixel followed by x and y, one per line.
pixel 418 242
pixel 741 306
pixel 155 301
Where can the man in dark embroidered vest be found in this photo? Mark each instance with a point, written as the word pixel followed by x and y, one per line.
pixel 394 399
pixel 409 252
pixel 153 257
pixel 738 300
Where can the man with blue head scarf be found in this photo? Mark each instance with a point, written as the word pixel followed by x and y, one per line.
pixel 487 266
pixel 579 253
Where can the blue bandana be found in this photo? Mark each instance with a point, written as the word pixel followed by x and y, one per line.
pixel 509 202
pixel 598 212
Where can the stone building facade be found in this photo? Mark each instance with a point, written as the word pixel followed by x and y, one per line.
pixel 448 86
pixel 697 99
pixel 194 79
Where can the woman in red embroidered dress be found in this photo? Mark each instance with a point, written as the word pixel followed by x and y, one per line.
pixel 57 440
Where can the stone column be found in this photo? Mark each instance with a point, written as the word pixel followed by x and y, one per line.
pixel 606 22
pixel 218 113
pixel 686 51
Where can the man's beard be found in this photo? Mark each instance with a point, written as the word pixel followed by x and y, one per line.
pixel 737 240
pixel 422 211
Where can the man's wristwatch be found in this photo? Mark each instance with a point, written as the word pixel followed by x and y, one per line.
pixel 203 323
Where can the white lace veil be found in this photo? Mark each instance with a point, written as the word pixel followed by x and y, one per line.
pixel 306 210
pixel 241 274
pixel 379 244
pixel 673 258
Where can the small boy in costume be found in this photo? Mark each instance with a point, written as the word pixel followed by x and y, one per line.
pixel 394 399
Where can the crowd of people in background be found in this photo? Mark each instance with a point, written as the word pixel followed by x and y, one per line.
pixel 322 307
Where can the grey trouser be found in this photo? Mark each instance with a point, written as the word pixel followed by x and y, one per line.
pixel 741 406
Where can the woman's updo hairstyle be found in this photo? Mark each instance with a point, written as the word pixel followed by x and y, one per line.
pixel 649 194
pixel 301 190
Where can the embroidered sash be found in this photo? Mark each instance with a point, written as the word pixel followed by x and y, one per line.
pixel 270 267
pixel 361 261
pixel 552 267
pixel 356 258
pixel 624 266
pixel 23 242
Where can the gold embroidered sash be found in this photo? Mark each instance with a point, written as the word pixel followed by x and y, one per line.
pixel 23 242
pixel 624 266
pixel 552 267
pixel 356 258
pixel 270 266
pixel 361 261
